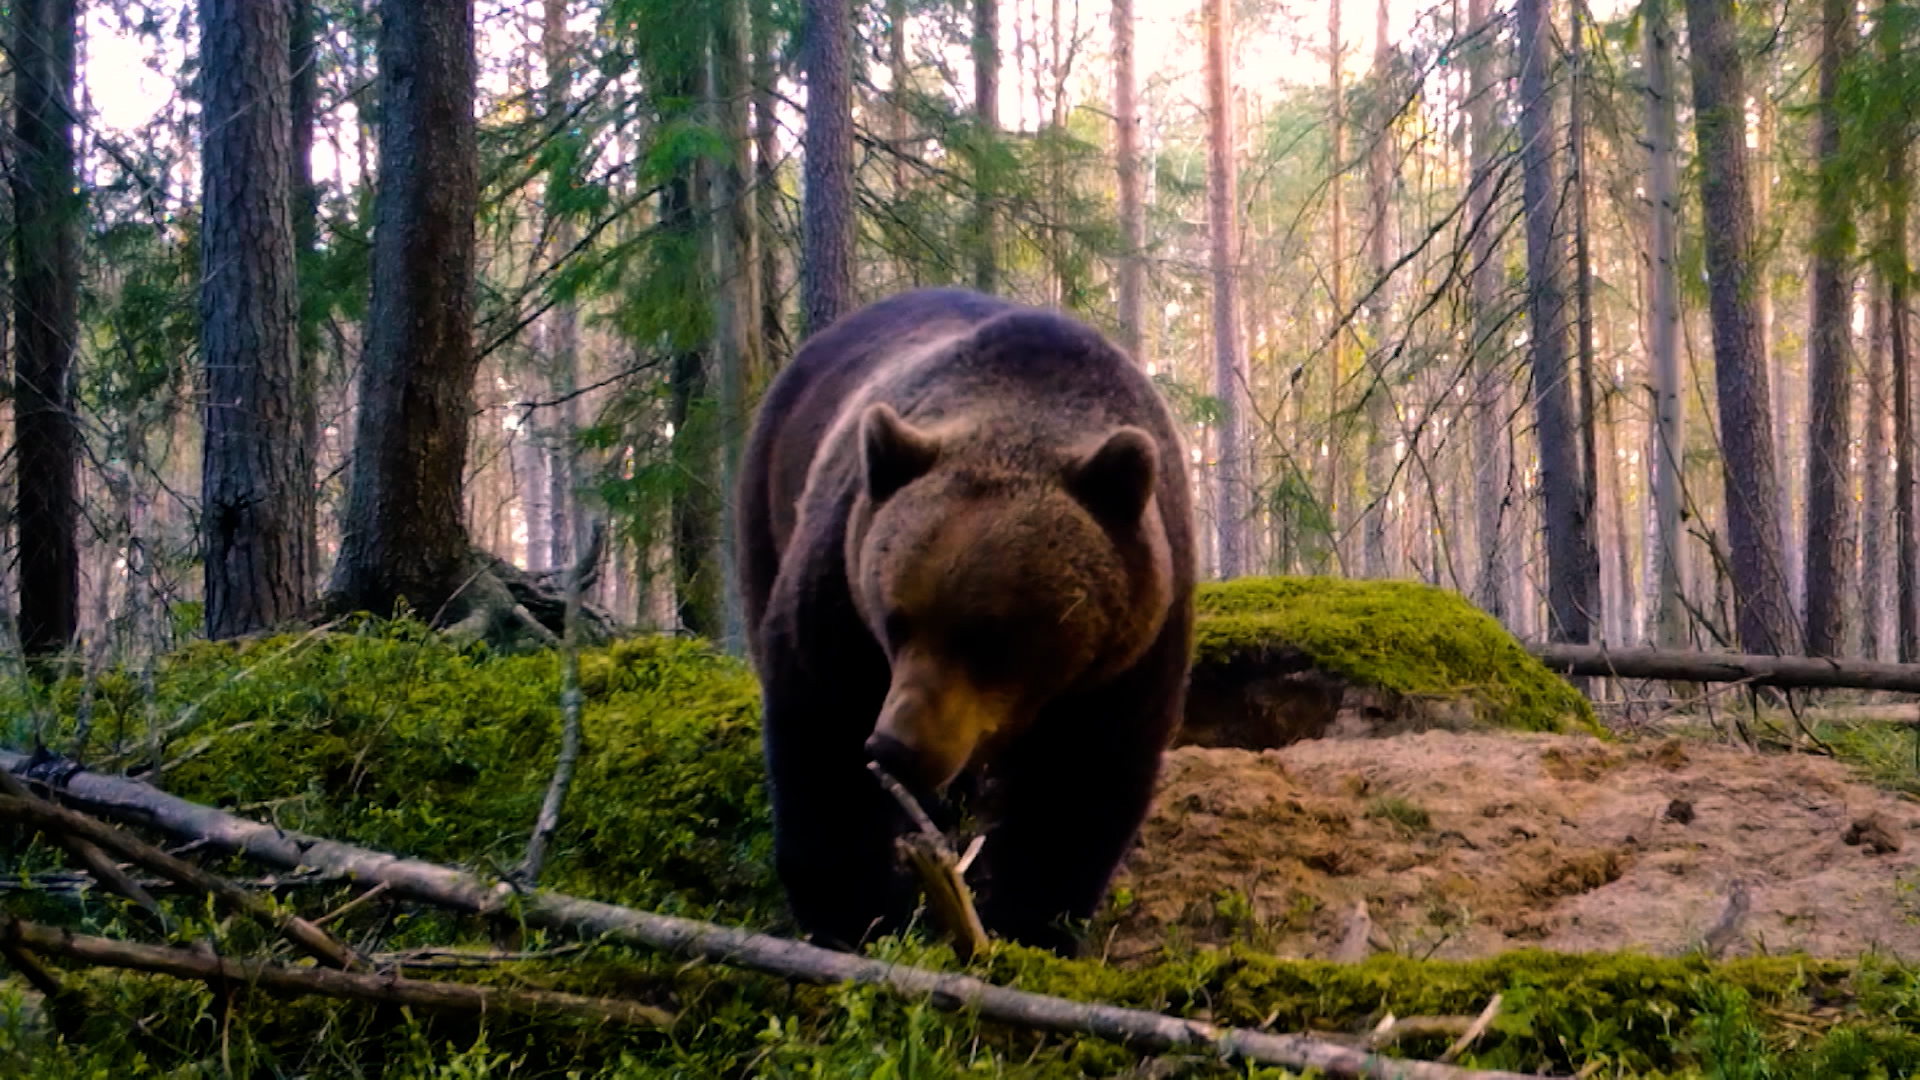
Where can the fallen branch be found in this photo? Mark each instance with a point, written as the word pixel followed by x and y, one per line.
pixel 280 979
pixel 572 701
pixel 92 859
pixel 1472 1035
pixel 61 822
pixel 1677 666
pixel 940 873
pixel 446 887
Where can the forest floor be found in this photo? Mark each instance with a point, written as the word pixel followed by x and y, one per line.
pixel 1466 845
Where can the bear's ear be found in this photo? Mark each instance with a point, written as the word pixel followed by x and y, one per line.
pixel 1115 481
pixel 894 453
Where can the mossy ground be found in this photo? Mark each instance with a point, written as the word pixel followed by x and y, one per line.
pixel 388 736
pixel 1401 637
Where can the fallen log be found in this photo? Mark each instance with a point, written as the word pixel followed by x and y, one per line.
pixel 132 802
pixel 1676 666
pixel 325 982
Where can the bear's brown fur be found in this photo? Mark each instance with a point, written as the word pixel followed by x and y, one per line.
pixel 966 548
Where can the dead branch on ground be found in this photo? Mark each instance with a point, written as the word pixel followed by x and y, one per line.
pixel 571 703
pixel 281 979
pixel 940 872
pixel 457 890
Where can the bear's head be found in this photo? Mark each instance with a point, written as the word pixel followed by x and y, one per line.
pixel 999 574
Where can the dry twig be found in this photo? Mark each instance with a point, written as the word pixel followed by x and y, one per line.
pixel 91 858
pixel 948 897
pixel 571 702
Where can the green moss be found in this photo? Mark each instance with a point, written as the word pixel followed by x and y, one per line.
pixel 1401 637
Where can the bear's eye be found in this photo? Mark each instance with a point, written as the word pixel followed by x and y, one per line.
pixel 896 628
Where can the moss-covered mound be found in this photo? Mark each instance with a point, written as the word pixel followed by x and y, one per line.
pixel 1399 637
pixel 391 737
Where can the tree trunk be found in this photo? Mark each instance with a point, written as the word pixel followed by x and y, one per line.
pixel 1381 428
pixel 767 194
pixel 735 301
pixel 46 215
pixel 986 111
pixel 1830 354
pixel 560 326
pixel 1762 611
pixel 1229 367
pixel 1568 529
pixel 303 91
pixel 826 278
pixel 698 581
pixel 253 475
pixel 1336 264
pixel 404 537
pixel 1668 449
pixel 1126 143
pixel 1873 525
pixel 1583 315
pixel 1494 575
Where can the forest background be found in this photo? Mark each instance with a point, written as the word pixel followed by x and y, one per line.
pixel 1597 314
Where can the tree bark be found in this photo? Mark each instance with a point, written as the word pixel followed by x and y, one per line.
pixel 1229 366
pixel 1494 574
pixel 1830 354
pixel 303 92
pixel 404 537
pixel 1583 317
pixel 1669 442
pixel 1762 610
pixel 1568 529
pixel 560 329
pixel 735 301
pixel 826 283
pixel 253 475
pixel 767 194
pixel 1874 532
pixel 1336 262
pixel 1126 148
pixel 986 111
pixel 1381 428
pixel 46 214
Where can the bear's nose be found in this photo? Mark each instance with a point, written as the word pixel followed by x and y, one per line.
pixel 897 758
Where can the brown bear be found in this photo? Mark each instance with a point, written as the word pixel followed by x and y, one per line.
pixel 966 548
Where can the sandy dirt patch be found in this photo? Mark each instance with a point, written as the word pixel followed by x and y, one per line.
pixel 1469 844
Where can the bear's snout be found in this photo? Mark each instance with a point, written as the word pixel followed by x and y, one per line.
pixel 899 759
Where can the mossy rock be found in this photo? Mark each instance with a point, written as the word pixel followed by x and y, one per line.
pixel 1312 637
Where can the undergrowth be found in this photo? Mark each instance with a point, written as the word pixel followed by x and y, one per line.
pixel 388 736
pixel 1401 637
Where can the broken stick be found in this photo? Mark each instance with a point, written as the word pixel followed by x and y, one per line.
pixel 940 873
pixel 458 890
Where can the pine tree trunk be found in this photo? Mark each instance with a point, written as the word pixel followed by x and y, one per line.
pixel 986 111
pixel 767 194
pixel 1830 355
pixel 1381 428
pixel 1568 529
pixel 561 323
pixel 1762 610
pixel 1336 266
pixel 735 299
pixel 1494 572
pixel 1126 145
pixel 1668 445
pixel 46 215
pixel 306 226
pixel 826 265
pixel 1229 367
pixel 253 474
pixel 1874 532
pixel 404 537
pixel 1583 315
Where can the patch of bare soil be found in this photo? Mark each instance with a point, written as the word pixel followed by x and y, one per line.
pixel 1469 844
